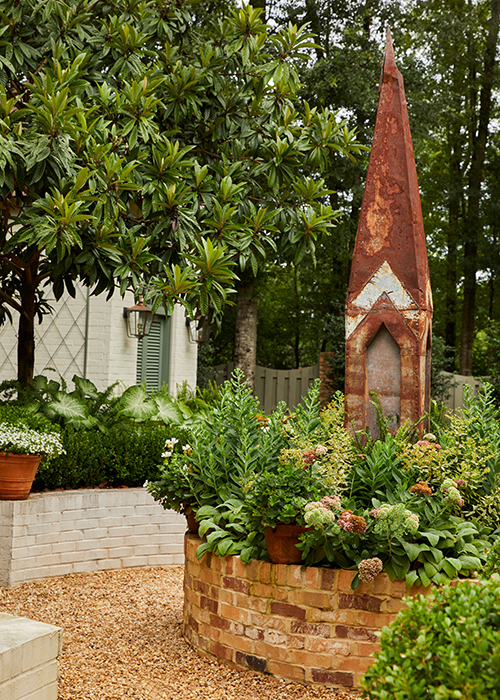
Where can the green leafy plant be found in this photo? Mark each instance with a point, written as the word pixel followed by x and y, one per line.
pixel 126 455
pixel 229 529
pixel 226 446
pixel 87 407
pixel 492 563
pixel 279 496
pixel 441 646
pixel 416 538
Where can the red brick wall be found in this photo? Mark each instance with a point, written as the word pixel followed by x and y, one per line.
pixel 295 622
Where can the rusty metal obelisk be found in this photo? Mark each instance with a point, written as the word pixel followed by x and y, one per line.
pixel 389 301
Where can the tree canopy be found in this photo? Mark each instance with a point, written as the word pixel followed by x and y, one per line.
pixel 142 148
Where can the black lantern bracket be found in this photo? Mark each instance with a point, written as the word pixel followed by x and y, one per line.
pixel 198 329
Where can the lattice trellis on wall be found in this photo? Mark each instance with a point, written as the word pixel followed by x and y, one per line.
pixel 59 340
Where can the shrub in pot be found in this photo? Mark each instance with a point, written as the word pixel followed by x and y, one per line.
pixel 277 499
pixel 21 449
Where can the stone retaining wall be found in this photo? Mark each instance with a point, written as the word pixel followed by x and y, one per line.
pixel 28 659
pixel 295 622
pixel 64 532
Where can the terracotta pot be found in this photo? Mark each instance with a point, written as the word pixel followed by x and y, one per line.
pixel 281 541
pixel 192 525
pixel 16 475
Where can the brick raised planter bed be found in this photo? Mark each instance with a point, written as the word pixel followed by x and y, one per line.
pixel 295 622
pixel 65 532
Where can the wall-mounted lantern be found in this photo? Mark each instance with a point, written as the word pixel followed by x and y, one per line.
pixel 139 319
pixel 198 329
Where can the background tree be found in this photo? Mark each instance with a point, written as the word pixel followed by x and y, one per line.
pixel 447 53
pixel 140 147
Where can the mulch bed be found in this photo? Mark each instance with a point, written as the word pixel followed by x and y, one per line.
pixel 122 639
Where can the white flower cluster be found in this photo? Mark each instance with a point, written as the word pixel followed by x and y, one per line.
pixel 22 440
pixel 170 443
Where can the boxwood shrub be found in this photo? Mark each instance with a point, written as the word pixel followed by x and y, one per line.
pixel 441 647
pixel 127 454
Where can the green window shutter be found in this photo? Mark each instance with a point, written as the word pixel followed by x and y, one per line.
pixel 153 355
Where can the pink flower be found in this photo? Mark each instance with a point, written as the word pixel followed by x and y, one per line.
pixel 332 502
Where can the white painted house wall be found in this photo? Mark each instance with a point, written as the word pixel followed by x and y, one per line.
pixel 60 343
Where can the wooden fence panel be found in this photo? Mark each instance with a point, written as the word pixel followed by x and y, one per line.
pixel 290 385
pixel 275 385
pixel 456 392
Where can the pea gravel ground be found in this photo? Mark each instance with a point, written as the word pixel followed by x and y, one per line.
pixel 122 639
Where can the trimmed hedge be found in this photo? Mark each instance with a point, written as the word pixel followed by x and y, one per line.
pixel 127 454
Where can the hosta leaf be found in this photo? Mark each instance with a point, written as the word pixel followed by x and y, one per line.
pixel 218 534
pixel 469 562
pixel 202 549
pixel 224 547
pixel 440 578
pixel 432 537
pixel 449 569
pixel 423 577
pixel 429 569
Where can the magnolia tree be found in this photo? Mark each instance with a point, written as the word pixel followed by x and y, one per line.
pixel 142 149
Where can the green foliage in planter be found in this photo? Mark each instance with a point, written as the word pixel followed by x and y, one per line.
pixel 441 647
pixel 280 495
pixel 229 529
pixel 225 448
pixel 466 446
pixel 492 563
pixel 125 455
pixel 418 535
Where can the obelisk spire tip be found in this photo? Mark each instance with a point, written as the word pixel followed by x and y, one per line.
pixel 389 63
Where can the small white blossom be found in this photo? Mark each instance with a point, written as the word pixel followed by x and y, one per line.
pixel 23 440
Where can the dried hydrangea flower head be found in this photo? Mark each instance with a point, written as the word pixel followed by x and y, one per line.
pixel 321 512
pixel 368 569
pixel 395 519
pixel 451 492
pixel 332 502
pixel 352 523
pixel 422 487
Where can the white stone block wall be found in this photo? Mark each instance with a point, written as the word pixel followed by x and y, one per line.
pixel 29 650
pixel 65 532
pixel 183 353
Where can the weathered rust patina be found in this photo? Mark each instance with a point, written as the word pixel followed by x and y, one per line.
pixel 389 301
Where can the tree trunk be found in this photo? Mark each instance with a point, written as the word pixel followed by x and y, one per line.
pixel 26 339
pixel 474 193
pixel 296 343
pixel 245 337
pixel 451 265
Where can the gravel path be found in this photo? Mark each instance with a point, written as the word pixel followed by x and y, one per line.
pixel 122 639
